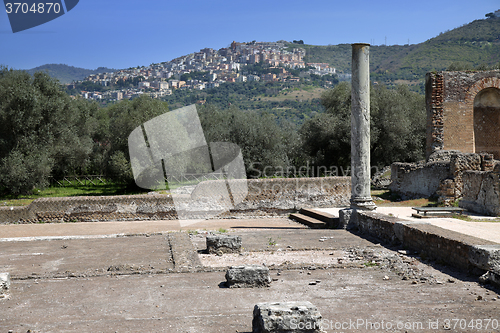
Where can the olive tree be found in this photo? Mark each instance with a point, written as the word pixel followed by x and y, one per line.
pixel 43 132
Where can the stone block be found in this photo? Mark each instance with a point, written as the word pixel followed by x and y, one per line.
pixel 286 317
pixel 248 276
pixel 223 244
pixel 4 284
pixel 345 217
pixel 486 257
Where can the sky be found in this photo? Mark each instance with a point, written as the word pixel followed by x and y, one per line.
pixel 130 33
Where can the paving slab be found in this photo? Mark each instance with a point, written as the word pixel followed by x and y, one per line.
pixel 306 239
pixel 152 297
pixel 195 302
pixel 91 229
pixel 85 257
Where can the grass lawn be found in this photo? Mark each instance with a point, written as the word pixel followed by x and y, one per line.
pixel 72 190
pixel 387 198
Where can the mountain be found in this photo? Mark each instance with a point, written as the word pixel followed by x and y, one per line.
pixel 474 44
pixel 67 74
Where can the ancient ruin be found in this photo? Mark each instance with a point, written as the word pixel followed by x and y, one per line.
pixel 463 112
pixel 360 128
pixel 298 317
pixel 463 128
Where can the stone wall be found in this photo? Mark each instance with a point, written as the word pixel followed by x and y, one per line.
pixel 454 112
pixel 92 208
pixel 265 197
pixel 418 179
pixel 285 195
pixel 481 193
pixel 442 175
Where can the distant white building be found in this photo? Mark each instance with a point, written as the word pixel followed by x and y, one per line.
pixel 212 77
pixel 253 78
pixel 241 78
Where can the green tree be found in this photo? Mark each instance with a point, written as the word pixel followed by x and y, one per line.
pixel 266 147
pixel 43 132
pixel 397 127
pixel 327 136
pixel 121 119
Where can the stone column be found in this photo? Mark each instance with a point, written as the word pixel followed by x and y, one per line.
pixel 360 129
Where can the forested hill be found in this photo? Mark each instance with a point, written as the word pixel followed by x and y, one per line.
pixel 473 45
pixel 67 74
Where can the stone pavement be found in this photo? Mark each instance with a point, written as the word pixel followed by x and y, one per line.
pixel 29 232
pixel 145 276
pixel 485 230
pixel 133 284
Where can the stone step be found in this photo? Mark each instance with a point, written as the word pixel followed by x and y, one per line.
pixel 309 221
pixel 328 218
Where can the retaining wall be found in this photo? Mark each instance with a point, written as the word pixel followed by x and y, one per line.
pixel 92 208
pixel 265 197
pixel 461 251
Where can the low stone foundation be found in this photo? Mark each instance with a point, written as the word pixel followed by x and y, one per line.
pixel 219 244
pixel 281 196
pixel 266 197
pixel 466 253
pixel 90 208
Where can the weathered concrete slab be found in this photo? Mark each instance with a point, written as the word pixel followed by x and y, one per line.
pixel 193 302
pixel 286 317
pixel 86 257
pixel 248 276
pixel 301 239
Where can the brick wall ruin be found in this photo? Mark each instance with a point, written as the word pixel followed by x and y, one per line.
pixel 463 142
pixel 463 112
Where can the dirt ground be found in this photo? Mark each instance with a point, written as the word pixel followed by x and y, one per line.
pixel 132 284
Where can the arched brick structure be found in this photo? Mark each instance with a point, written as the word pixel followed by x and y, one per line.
pixel 487 121
pixel 452 117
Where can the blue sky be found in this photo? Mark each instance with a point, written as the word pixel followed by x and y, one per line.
pixel 128 33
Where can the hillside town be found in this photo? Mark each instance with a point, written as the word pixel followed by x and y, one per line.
pixel 217 66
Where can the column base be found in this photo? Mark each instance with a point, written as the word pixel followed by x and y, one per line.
pixel 363 203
